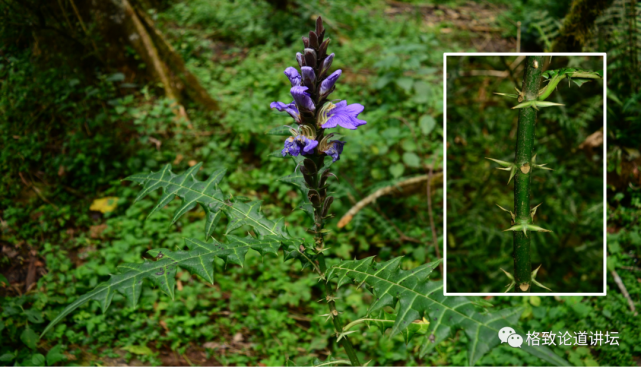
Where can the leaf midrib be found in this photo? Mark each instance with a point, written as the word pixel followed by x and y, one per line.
pixel 217 200
pixel 422 295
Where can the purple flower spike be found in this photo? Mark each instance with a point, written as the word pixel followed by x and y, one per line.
pixel 309 77
pixel 294 145
pixel 302 98
pixel 335 149
pixel 293 76
pixel 289 108
pixel 344 116
pixel 328 84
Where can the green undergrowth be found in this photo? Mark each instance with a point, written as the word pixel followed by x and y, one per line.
pixel 101 129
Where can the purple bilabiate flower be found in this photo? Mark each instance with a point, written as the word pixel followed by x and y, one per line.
pixel 309 77
pixel 293 76
pixel 294 145
pixel 328 84
pixel 341 114
pixel 302 98
pixel 289 108
pixel 334 149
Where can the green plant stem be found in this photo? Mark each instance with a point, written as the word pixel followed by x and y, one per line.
pixel 523 155
pixel 319 243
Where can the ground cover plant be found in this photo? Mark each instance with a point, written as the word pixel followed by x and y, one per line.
pixel 82 110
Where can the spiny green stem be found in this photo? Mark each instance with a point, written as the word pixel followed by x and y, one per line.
pixel 523 155
pixel 319 243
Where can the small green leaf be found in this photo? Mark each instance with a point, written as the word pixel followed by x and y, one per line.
pixel 29 337
pixel 7 357
pixel 38 359
pixel 535 301
pixel 397 170
pixel 580 82
pixel 405 83
pixel 411 159
pixel 138 349
pixel 34 316
pixel 3 281
pixel 427 124
pixel 54 355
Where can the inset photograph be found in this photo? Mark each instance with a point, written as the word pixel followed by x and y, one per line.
pixel 524 176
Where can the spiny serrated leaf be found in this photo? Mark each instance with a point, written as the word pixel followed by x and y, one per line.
pixel 384 321
pixel 417 298
pixel 207 194
pixel 198 259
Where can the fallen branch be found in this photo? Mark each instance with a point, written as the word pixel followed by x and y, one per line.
pixel 152 54
pixel 438 177
pixel 619 282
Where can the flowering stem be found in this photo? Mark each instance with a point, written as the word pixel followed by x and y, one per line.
pixel 523 156
pixel 320 243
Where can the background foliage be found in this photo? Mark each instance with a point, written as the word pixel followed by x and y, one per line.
pixel 74 123
pixel 481 124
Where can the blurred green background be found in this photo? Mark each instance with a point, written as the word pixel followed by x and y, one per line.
pixel 81 108
pixel 481 124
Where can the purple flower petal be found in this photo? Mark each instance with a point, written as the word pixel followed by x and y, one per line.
pixel 299 144
pixel 309 77
pixel 328 83
pixel 303 100
pixel 289 108
pixel 293 76
pixel 327 63
pixel 335 149
pixel 300 59
pixel 291 147
pixel 344 116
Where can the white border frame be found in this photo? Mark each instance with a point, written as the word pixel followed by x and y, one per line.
pixel 605 205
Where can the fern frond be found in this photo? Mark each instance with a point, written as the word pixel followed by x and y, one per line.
pixel 418 297
pixel 209 196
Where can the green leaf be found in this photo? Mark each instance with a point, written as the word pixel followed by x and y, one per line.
pixel 580 82
pixel 38 359
pixel 29 337
pixel 199 259
pixel 54 355
pixel 7 357
pixel 208 195
pixel 427 124
pixel 397 169
pixel 405 83
pixel 417 297
pixel 411 159
pixel 34 316
pixel 280 131
pixel 138 349
pixel 3 281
